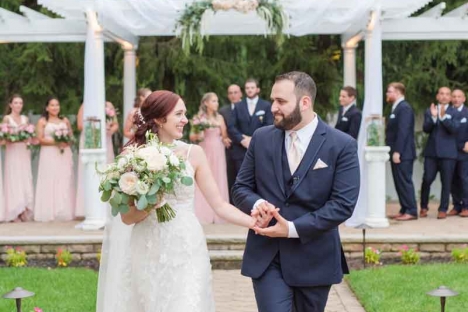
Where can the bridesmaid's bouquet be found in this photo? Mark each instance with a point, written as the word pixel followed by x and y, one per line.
pixel 3 131
pixel 198 124
pixel 111 114
pixel 19 134
pixel 143 175
pixel 63 135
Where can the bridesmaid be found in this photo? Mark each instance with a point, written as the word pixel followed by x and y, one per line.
pixel 18 180
pixel 129 129
pixel 112 126
pixel 2 199
pixel 55 193
pixel 214 141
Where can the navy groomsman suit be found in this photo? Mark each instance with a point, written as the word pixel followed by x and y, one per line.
pixel 350 121
pixel 460 179
pixel 400 138
pixel 226 112
pixel 243 123
pixel 440 154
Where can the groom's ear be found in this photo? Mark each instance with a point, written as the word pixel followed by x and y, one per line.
pixel 306 102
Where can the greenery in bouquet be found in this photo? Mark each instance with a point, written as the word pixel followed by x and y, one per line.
pixel 111 114
pixel 143 175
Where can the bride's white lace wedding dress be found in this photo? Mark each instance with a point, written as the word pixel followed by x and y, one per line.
pixel 159 267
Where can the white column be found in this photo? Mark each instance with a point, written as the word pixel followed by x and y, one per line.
pixel 94 106
pixel 373 94
pixel 376 157
pixel 349 66
pixel 129 80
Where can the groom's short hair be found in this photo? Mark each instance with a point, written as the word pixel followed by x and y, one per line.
pixel 304 85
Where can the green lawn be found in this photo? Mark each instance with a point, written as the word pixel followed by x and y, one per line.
pixel 399 288
pixel 57 290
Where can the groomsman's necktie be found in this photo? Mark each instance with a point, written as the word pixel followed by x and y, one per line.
pixel 294 155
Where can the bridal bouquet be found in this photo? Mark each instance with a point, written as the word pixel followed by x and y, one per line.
pixel 143 175
pixel 63 135
pixel 19 134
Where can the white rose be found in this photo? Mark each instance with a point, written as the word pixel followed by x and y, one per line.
pixel 165 151
pixel 174 160
pixel 142 188
pixel 122 163
pixel 155 161
pixel 128 182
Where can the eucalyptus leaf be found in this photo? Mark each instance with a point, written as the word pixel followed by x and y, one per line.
pixel 107 186
pixel 124 208
pixel 154 189
pixel 166 180
pixel 115 211
pixel 116 199
pixel 187 181
pixel 142 202
pixel 152 199
pixel 106 195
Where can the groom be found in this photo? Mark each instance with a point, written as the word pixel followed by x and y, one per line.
pixel 310 172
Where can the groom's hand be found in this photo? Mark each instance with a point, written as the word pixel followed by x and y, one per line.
pixel 263 214
pixel 280 229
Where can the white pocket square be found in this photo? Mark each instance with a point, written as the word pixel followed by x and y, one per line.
pixel 392 116
pixel 260 112
pixel 463 120
pixel 344 119
pixel 320 165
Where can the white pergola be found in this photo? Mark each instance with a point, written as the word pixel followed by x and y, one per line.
pixel 124 21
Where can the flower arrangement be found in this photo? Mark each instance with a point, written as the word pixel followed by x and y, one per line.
pixel 3 131
pixel 143 175
pixel 63 135
pixel 375 130
pixel 63 257
pixel 37 309
pixel 460 255
pixel 17 134
pixel 16 257
pixel 372 255
pixel 409 255
pixel 92 130
pixel 111 114
pixel 189 25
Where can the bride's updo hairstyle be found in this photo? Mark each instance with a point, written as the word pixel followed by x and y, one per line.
pixel 156 106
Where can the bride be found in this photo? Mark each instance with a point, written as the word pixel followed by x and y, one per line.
pixel 148 266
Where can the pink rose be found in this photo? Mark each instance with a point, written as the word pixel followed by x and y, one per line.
pixel 30 128
pixel 58 133
pixel 110 111
pixel 4 128
pixel 36 309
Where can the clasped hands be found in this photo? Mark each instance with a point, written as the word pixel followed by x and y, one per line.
pixel 264 213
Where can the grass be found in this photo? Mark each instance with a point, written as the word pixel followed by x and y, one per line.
pixel 57 290
pixel 399 288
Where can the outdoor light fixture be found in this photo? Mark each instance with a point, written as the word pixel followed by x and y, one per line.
pixel 442 292
pixel 18 293
pixel 363 226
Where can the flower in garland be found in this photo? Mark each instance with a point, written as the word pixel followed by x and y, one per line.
pixel 189 25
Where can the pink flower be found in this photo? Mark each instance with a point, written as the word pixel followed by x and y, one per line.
pixel 110 111
pixel 65 132
pixel 36 309
pixel 30 128
pixel 58 133
pixel 404 247
pixel 4 128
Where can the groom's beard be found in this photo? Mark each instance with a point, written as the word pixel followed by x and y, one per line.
pixel 290 121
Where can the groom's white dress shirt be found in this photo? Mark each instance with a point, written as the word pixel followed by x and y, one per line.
pixel 304 135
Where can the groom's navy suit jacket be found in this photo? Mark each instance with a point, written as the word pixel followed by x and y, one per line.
pixel 316 200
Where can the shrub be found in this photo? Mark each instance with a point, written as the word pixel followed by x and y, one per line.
pixel 409 255
pixel 16 257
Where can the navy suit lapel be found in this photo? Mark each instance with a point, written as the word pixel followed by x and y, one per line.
pixel 277 158
pixel 310 155
pixel 245 109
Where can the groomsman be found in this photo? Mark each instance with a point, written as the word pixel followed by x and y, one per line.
pixel 400 137
pixel 460 177
pixel 349 116
pixel 440 153
pixel 248 115
pixel 234 95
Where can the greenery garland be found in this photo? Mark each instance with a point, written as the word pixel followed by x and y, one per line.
pixel 189 25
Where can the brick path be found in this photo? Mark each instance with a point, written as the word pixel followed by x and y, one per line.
pixel 233 293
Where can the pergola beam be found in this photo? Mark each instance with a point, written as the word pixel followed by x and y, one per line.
pixel 434 12
pixel 6 15
pixel 461 11
pixel 33 15
pixel 424 28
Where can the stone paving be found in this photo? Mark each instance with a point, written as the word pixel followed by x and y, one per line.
pixel 233 293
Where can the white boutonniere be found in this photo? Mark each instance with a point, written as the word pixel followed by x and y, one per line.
pixel 392 116
pixel 463 120
pixel 344 119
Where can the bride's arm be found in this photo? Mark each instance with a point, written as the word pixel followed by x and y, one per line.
pixel 208 187
pixel 133 215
